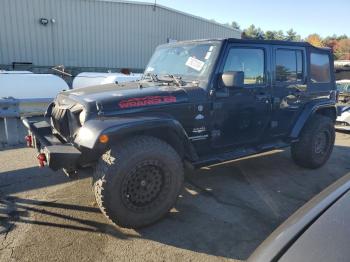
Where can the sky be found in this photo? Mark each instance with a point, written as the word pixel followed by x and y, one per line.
pixel 304 16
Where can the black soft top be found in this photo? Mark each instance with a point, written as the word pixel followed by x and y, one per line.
pixel 257 41
pixel 275 42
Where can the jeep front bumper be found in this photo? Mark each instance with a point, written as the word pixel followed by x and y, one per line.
pixel 57 154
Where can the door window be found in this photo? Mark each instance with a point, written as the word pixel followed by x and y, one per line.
pixel 248 60
pixel 320 69
pixel 289 65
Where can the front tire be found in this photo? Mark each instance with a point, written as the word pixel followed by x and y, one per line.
pixel 315 143
pixel 138 181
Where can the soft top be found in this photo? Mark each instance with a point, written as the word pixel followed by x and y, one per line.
pixel 255 41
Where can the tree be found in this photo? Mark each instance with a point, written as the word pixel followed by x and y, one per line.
pixel 235 25
pixel 342 49
pixel 315 40
pixel 341 37
pixel 339 44
pixel 253 32
pixel 330 38
pixel 330 42
pixel 270 35
pixel 280 35
pixel 292 35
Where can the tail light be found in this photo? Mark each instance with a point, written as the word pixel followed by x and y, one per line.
pixel 42 159
pixel 29 140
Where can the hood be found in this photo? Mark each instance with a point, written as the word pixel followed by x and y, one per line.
pixel 124 96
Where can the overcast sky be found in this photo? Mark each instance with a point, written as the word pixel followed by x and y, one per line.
pixel 304 16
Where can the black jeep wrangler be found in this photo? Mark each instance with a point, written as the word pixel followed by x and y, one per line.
pixel 199 103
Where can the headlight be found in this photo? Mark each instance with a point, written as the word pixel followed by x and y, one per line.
pixel 82 117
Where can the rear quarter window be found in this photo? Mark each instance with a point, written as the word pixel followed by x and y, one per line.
pixel 320 68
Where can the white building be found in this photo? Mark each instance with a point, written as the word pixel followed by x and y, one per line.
pixel 94 33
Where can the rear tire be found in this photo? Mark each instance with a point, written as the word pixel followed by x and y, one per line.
pixel 138 181
pixel 315 144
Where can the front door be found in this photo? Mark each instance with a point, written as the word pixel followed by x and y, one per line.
pixel 241 115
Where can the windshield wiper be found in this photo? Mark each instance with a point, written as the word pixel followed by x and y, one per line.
pixel 152 76
pixel 176 79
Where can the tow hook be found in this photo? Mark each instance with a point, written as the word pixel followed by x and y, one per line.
pixel 42 159
pixel 71 173
pixel 29 140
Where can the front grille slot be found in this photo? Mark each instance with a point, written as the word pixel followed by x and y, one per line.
pixel 60 121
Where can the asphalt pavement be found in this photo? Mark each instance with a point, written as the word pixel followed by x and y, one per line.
pixel 223 213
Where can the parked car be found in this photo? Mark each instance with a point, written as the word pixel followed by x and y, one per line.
pixel 319 231
pixel 343 87
pixel 199 103
pixel 343 106
pixel 343 120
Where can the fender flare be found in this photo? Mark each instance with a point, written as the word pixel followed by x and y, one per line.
pixel 308 112
pixel 117 127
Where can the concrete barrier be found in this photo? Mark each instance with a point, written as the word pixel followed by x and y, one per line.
pixel 12 131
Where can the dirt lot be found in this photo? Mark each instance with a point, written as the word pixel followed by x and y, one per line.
pixel 224 212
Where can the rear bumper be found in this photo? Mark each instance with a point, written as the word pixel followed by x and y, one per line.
pixel 58 155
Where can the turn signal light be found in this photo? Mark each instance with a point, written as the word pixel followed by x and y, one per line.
pixel 103 139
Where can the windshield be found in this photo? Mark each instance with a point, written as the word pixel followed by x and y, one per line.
pixel 343 87
pixel 189 61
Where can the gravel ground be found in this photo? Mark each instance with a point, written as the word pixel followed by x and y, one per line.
pixel 224 212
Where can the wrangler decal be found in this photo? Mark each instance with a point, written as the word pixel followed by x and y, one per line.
pixel 148 100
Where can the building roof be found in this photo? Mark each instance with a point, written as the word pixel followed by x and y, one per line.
pixel 171 10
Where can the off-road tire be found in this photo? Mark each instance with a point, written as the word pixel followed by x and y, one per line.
pixel 307 152
pixel 118 174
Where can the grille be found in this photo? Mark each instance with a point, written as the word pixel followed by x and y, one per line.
pixel 60 121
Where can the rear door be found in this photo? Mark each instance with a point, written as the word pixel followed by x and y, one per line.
pixel 289 87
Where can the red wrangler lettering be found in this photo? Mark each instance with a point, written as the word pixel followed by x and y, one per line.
pixel 144 101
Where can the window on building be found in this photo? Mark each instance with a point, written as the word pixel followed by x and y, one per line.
pixel 319 68
pixel 248 60
pixel 289 65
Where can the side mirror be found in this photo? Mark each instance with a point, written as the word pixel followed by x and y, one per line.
pixel 233 79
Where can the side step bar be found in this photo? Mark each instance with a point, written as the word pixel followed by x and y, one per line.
pixel 236 154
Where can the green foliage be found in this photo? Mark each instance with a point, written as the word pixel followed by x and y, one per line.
pixel 280 35
pixel 339 44
pixel 270 35
pixel 292 35
pixel 235 25
pixel 253 32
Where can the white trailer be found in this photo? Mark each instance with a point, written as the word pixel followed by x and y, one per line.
pixel 86 79
pixel 27 85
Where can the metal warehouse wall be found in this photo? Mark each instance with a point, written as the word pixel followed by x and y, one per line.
pixel 91 33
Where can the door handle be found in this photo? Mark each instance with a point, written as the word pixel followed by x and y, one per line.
pixel 263 97
pixel 295 92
